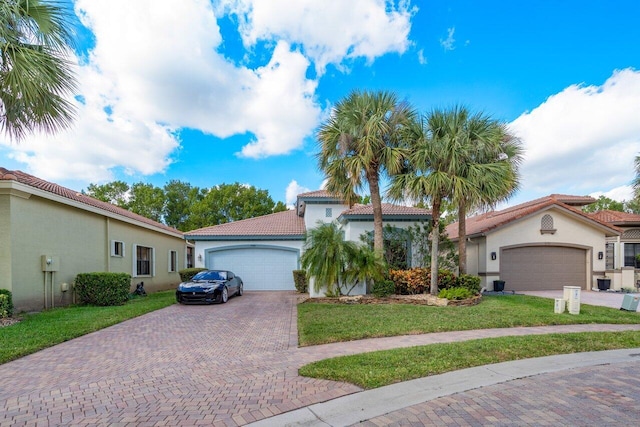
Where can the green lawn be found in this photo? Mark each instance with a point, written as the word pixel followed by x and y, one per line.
pixel 325 323
pixel 41 330
pixel 376 369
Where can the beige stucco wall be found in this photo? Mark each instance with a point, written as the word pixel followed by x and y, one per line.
pixel 570 231
pixel 34 226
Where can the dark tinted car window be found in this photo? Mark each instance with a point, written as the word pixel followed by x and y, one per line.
pixel 211 275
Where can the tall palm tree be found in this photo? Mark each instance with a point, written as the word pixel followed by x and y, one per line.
pixel 362 140
pixel 490 161
pixel 35 75
pixel 636 180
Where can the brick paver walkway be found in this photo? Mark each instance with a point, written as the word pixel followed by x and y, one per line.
pixel 215 365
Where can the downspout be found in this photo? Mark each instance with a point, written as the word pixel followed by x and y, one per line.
pixel 108 253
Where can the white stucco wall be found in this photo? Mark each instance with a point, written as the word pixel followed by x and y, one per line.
pixel 315 212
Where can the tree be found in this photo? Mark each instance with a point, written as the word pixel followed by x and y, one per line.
pixel 489 159
pixel 116 193
pixel 636 180
pixel 326 256
pixel 420 237
pixel 35 74
pixel 231 202
pixel 604 203
pixel 361 141
pixel 147 200
pixel 180 197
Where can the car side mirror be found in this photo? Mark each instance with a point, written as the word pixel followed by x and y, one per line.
pixel 230 276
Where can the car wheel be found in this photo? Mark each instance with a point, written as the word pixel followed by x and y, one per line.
pixel 240 290
pixel 224 296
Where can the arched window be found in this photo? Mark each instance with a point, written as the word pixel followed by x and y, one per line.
pixel 546 225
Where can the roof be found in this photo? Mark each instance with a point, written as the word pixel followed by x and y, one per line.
pixel 281 224
pixel 617 218
pixel 389 211
pixel 82 199
pixel 481 224
pixel 318 194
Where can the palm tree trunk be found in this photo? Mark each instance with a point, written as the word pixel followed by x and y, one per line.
pixel 435 237
pixel 462 237
pixel 376 203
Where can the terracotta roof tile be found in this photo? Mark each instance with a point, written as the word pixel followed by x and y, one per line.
pixel 387 209
pixel 58 190
pixel 319 194
pixel 286 223
pixel 616 217
pixel 491 220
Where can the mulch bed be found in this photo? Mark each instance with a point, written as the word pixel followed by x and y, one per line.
pixel 419 299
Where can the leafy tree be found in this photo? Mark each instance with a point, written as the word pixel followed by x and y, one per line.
pixel 326 255
pixel 35 75
pixel 359 143
pixel 604 203
pixel 396 246
pixel 636 180
pixel 180 197
pixel 116 193
pixel 632 206
pixel 147 200
pixel 230 202
pixel 420 237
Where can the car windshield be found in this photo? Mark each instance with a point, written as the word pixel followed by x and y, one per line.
pixel 210 275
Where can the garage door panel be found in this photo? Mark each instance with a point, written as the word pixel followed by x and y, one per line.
pixel 259 268
pixel 543 268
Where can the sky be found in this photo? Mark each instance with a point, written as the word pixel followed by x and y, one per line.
pixel 212 92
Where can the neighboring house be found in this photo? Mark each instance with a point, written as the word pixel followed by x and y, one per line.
pixel 621 251
pixel 543 244
pixel 49 234
pixel 265 250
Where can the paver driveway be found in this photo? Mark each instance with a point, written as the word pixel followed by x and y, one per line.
pixel 222 365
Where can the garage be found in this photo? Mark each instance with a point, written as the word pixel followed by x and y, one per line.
pixel 261 268
pixel 537 268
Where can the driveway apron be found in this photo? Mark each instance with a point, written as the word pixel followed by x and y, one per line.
pixel 221 365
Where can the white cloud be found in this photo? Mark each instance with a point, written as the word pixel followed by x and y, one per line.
pixel 622 193
pixel 584 138
pixel 293 189
pixel 421 58
pixel 329 31
pixel 449 42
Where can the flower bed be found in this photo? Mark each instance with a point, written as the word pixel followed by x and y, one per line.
pixel 418 299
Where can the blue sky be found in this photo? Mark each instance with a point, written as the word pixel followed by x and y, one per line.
pixel 233 91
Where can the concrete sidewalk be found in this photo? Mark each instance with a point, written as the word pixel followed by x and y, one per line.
pixel 388 405
pixel 601 298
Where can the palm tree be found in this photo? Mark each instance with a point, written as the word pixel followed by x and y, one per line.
pixel 365 266
pixel 35 74
pixel 326 255
pixel 636 180
pixel 490 162
pixel 360 142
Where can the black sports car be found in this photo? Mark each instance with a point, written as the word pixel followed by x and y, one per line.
pixel 209 286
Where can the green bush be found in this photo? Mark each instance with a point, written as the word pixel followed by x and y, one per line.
pixel 301 281
pixel 6 303
pixel 103 289
pixel 456 293
pixel 188 273
pixel 469 282
pixel 384 288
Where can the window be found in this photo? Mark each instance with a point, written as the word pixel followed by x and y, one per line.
pixel 143 264
pixel 630 252
pixel 609 256
pixel 117 248
pixel 328 212
pixel 173 261
pixel 189 257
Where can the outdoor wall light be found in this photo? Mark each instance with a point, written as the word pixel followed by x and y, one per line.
pixel 200 257
pixel 600 255
pixel 494 256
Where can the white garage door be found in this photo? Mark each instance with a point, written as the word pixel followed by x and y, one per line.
pixel 261 269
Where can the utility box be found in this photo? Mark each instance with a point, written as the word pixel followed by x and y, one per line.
pixel 630 302
pixel 572 295
pixel 50 262
pixel 559 306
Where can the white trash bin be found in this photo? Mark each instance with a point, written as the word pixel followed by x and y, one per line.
pixel 559 306
pixel 572 295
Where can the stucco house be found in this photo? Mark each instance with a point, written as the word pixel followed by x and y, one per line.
pixel 543 244
pixel 265 250
pixel 621 250
pixel 49 234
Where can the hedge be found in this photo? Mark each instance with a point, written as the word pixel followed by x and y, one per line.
pixel 188 273
pixel 103 289
pixel 301 281
pixel 6 303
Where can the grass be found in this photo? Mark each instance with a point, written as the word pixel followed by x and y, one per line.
pixel 45 329
pixel 376 369
pixel 326 323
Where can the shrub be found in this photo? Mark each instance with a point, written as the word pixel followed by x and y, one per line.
pixel 456 293
pixel 469 282
pixel 446 279
pixel 384 288
pixel 188 273
pixel 103 288
pixel 301 281
pixel 410 282
pixel 6 303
